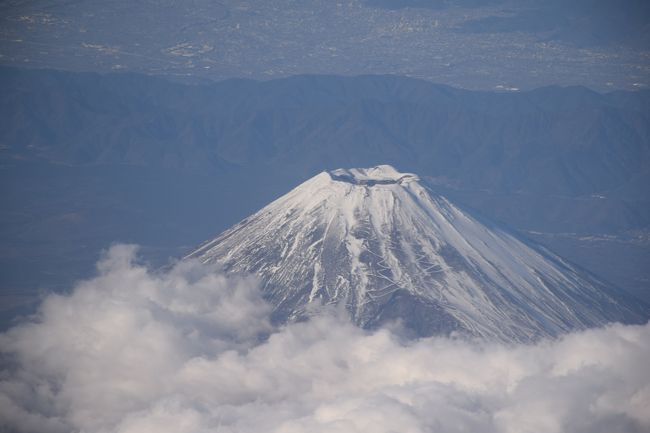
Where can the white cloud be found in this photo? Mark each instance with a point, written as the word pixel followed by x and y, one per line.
pixel 183 351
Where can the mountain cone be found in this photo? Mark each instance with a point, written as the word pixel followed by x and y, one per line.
pixel 380 242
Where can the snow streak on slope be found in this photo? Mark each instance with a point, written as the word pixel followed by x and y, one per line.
pixel 380 242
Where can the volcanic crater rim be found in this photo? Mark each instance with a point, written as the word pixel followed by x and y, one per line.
pixel 378 175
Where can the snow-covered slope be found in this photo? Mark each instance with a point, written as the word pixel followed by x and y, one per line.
pixel 380 242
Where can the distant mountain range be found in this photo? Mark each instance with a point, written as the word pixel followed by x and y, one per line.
pixel 378 242
pixel 88 159
pixel 562 141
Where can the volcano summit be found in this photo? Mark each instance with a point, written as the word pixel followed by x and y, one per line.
pixel 381 243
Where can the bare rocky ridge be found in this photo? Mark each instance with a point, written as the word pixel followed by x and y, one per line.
pixel 380 242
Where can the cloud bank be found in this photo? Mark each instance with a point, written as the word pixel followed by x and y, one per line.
pixel 191 350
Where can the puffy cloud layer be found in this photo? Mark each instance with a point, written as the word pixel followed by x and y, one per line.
pixel 190 350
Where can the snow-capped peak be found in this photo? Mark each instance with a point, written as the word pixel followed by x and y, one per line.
pixel 378 241
pixel 381 174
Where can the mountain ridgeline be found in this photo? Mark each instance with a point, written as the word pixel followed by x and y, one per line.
pixel 88 159
pixel 378 242
pixel 566 141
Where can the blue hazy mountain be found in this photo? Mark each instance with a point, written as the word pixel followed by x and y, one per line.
pixel 90 159
pixel 582 23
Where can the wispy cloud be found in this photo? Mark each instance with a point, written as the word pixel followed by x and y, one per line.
pixel 191 350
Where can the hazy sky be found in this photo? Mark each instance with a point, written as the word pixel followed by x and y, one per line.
pixel 491 44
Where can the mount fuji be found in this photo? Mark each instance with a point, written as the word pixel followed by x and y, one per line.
pixel 382 244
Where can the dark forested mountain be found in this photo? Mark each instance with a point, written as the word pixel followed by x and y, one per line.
pixel 568 141
pixel 89 159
